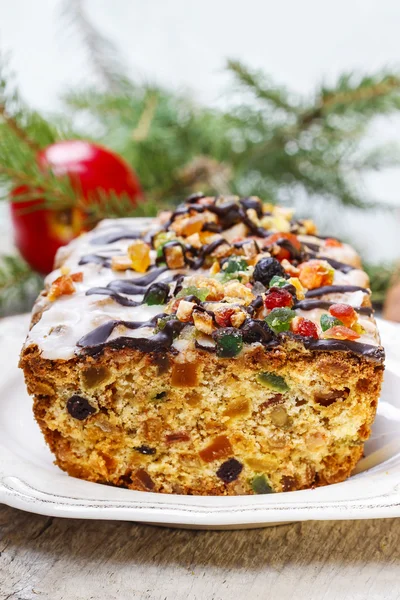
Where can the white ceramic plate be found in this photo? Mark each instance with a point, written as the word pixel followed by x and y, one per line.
pixel 30 481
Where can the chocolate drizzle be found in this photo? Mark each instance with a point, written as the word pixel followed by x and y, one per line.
pixel 375 353
pixel 335 289
pixel 95 341
pixel 343 267
pixel 325 304
pixel 104 261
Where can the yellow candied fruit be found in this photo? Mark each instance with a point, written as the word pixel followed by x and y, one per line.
pixel 282 211
pixel 300 290
pixel 281 224
pixel 121 263
pixel 65 270
pixel 309 226
pixel 215 268
pixel 139 253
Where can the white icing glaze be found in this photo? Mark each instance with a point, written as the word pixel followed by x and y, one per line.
pixel 70 317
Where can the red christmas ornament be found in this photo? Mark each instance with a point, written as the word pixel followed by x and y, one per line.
pixel 39 233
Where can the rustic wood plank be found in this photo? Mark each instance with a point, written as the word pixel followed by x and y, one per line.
pixel 64 559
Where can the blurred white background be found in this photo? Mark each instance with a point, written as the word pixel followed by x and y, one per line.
pixel 186 44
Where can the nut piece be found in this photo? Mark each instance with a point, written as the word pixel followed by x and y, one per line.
pixel 237 291
pixel 139 253
pixel 203 322
pixel 185 309
pixel 174 256
pixel 121 263
pixel 215 288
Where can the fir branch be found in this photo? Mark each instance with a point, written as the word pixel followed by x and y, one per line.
pixel 18 282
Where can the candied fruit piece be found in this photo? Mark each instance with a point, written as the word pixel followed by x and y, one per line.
pixel 279 319
pixel 139 254
pixel 156 294
pixel 288 483
pixel 229 342
pixel 62 286
pixel 279 416
pixel 79 408
pixel 295 282
pixel 333 243
pixel 230 470
pixel 162 321
pixel 316 273
pixel 327 322
pixel 339 332
pixel 220 447
pixel 184 375
pixel 273 381
pixel 284 253
pixel 304 327
pixel 78 277
pixel 345 313
pixel 277 281
pixel 266 269
pixel 235 264
pixel 177 436
pixel 238 408
pixel 260 485
pixel 143 480
pixel 192 290
pixel 93 376
pixel 277 298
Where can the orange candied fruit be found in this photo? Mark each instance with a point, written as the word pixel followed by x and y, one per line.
pixel 315 273
pixel 62 286
pixel 283 252
pixel 345 313
pixel 139 254
pixel 220 447
pixel 333 243
pixel 78 277
pixel 340 332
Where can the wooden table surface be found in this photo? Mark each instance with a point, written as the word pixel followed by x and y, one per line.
pixel 64 559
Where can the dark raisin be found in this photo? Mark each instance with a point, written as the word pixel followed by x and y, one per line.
pixel 160 396
pixel 145 450
pixel 266 269
pixel 325 399
pixel 254 330
pixel 79 408
pixel 230 470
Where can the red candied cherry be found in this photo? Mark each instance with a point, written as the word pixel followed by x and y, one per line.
pixel 339 332
pixel 278 298
pixel 345 313
pixel 304 327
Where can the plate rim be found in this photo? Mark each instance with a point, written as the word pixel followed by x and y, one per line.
pixel 22 491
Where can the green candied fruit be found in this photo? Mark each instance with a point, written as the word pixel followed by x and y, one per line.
pixel 327 322
pixel 272 381
pixel 260 485
pixel 229 342
pixel 162 321
pixel 235 264
pixel 279 319
pixel 278 282
pixel 156 294
pixel 192 290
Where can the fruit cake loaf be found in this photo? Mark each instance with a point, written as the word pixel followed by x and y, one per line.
pixel 223 349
